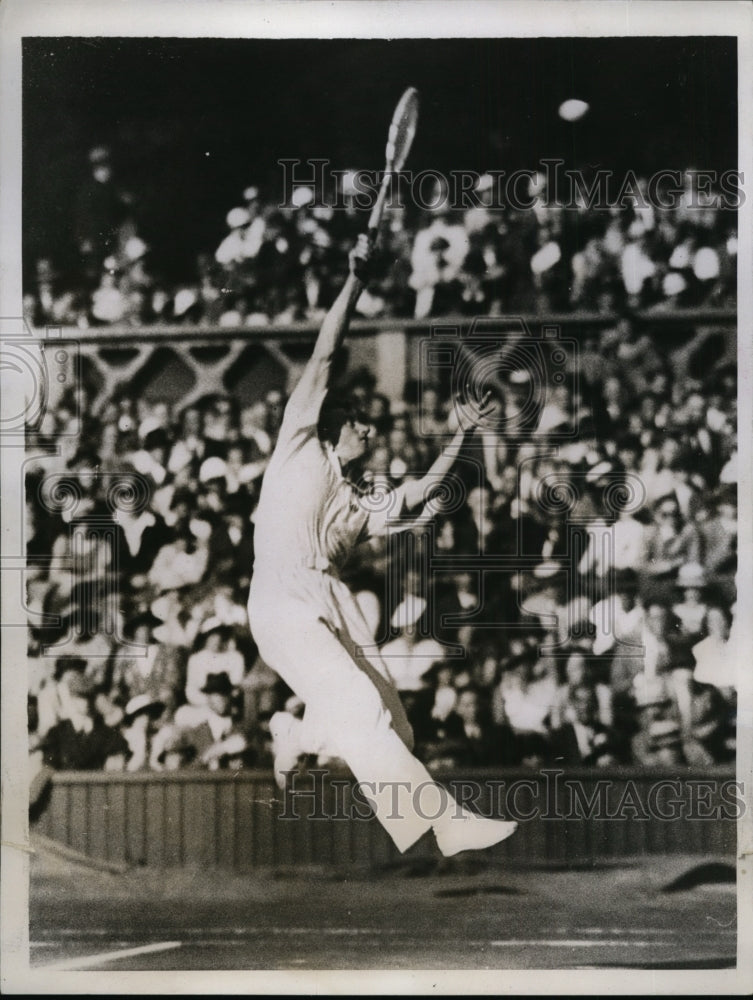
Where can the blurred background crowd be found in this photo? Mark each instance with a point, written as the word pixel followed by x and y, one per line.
pixel 603 636
pixel 603 639
pixel 282 263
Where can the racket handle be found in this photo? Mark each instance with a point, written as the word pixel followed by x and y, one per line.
pixel 378 210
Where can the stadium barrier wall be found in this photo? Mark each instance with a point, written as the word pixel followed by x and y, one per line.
pixel 180 364
pixel 240 820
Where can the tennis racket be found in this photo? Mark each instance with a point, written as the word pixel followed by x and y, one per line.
pixel 399 141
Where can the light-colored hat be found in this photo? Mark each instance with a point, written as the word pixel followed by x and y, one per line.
pixel 408 612
pixel 210 624
pixel 673 283
pixel 237 217
pixel 147 425
pixel 706 264
pixel 680 257
pixel 212 468
pixel 650 690
pixel 302 196
pixel 251 193
pixel 398 467
pixel 664 732
pixel 636 229
pixel 183 301
pixel 691 575
pixel 597 471
pixel 546 569
pixel 546 257
pixel 200 528
pixel 135 248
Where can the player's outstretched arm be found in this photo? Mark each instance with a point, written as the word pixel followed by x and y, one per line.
pixel 469 416
pixel 336 321
pixel 307 397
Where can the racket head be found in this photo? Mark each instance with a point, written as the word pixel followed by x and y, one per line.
pixel 402 129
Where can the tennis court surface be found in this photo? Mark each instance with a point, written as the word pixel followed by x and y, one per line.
pixel 461 913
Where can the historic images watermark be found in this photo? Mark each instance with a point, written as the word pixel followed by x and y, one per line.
pixel 548 794
pixel 316 182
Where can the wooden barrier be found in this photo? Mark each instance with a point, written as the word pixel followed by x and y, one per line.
pixel 240 820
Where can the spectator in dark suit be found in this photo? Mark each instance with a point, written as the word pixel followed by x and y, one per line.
pixel 467 738
pixel 719 542
pixel 83 741
pixel 584 741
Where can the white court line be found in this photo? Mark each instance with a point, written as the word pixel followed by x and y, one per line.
pixel 587 943
pixel 108 956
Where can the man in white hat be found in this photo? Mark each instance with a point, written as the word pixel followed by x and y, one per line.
pixel 307 623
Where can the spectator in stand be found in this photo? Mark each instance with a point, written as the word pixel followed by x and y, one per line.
pixel 438 254
pixel 189 447
pixel 658 741
pixel 528 691
pixel 692 608
pixel 584 740
pixel 81 740
pixel 140 724
pixel 101 210
pixel 466 737
pixel 669 543
pixel 713 663
pixel 578 672
pixel 719 540
pixel 150 668
pixel 618 622
pixel 411 652
pixel 206 735
pixel 213 656
pixel 182 561
pixel 711 739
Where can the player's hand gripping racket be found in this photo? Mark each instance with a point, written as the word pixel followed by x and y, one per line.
pixel 399 141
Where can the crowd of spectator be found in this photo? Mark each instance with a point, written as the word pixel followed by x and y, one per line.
pixel 578 653
pixel 280 263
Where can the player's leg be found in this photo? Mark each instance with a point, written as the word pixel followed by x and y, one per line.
pixel 343 701
pixel 359 643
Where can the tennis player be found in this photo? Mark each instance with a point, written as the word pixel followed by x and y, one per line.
pixel 307 623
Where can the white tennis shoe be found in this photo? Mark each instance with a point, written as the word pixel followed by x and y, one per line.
pixel 461 830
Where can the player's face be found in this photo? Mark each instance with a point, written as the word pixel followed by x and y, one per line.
pixel 353 441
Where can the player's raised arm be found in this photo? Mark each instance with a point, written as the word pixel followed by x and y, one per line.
pixel 336 321
pixel 469 415
pixel 307 397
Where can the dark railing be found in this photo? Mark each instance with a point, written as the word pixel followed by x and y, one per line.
pixel 238 820
pixel 571 321
pixel 221 359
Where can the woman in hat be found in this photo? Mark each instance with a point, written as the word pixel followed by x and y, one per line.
pixel 154 671
pixel 307 623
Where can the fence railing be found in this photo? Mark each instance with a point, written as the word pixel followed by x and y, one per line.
pixel 183 363
pixel 238 820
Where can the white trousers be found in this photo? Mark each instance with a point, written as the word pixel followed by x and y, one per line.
pixel 352 708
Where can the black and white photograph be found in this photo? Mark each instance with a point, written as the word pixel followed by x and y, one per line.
pixel 376 483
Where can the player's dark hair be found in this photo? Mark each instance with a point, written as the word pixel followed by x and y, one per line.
pixel 336 411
